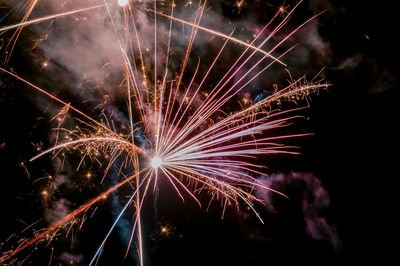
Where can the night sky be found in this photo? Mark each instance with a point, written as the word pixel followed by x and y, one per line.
pixel 341 187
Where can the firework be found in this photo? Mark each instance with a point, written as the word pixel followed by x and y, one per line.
pixel 195 149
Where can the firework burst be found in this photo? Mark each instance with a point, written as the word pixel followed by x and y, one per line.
pixel 178 127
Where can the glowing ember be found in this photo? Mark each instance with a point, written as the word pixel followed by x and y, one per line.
pixel 123 2
pixel 156 162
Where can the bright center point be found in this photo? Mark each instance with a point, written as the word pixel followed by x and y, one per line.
pixel 156 162
pixel 123 2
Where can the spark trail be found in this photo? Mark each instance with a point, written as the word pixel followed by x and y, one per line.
pixel 38 20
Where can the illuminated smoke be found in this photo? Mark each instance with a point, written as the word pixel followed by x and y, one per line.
pixel 306 190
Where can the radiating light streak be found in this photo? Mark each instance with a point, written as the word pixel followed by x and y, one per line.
pixel 218 88
pixel 66 219
pixel 214 32
pixel 69 106
pixel 38 20
pixel 84 142
pixel 97 254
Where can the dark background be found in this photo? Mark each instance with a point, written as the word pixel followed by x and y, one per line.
pixel 352 152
